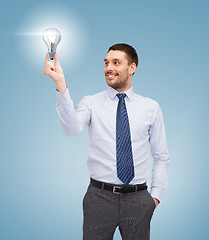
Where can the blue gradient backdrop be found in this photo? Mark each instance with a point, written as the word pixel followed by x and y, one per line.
pixel 43 174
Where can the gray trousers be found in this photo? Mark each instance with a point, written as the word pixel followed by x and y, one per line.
pixel 103 211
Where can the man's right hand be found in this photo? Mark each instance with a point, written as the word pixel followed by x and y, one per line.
pixel 54 71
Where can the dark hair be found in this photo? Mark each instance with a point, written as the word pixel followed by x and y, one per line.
pixel 129 50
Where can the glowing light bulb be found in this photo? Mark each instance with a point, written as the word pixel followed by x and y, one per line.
pixel 52 37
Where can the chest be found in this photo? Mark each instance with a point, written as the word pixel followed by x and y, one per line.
pixel 103 119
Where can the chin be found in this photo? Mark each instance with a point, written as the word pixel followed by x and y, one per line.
pixel 109 83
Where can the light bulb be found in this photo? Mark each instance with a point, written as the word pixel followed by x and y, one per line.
pixel 52 37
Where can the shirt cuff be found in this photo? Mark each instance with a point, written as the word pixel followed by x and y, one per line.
pixel 156 193
pixel 63 98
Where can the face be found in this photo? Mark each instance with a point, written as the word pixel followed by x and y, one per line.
pixel 118 72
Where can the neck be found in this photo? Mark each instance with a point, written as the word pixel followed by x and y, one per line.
pixel 123 89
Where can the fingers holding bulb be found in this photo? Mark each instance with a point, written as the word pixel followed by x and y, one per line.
pixel 49 66
pixel 54 71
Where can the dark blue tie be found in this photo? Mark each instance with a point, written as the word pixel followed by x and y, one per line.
pixel 125 166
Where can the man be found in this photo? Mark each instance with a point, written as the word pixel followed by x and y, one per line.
pixel 121 126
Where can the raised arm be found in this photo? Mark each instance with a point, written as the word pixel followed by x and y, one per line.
pixel 73 121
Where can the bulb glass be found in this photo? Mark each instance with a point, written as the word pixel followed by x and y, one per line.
pixel 52 37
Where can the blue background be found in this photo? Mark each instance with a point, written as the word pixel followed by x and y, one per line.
pixel 43 174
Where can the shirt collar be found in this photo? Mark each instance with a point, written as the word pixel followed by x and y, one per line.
pixel 112 93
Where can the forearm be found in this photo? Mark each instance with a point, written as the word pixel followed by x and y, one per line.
pixel 72 122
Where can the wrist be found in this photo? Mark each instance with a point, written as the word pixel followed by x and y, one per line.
pixel 61 87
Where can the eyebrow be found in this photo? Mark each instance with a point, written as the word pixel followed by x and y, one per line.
pixel 115 59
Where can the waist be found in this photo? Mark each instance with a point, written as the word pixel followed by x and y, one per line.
pixel 117 189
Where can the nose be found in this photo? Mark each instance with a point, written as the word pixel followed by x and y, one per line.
pixel 109 67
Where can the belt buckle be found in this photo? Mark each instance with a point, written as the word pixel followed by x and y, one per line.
pixel 115 188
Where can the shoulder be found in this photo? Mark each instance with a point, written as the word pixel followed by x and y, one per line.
pixel 149 102
pixel 97 97
pixel 88 99
pixel 99 94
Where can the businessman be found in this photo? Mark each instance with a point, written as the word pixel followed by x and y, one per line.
pixel 122 124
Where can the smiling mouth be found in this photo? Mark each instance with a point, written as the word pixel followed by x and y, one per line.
pixel 111 75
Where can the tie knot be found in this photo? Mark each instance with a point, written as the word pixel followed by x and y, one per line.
pixel 121 95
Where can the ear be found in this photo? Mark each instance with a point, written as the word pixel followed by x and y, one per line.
pixel 132 68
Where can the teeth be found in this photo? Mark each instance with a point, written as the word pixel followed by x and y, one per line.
pixel 111 75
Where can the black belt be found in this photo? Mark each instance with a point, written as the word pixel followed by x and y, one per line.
pixel 118 188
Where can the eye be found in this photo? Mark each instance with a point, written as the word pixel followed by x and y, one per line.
pixel 106 63
pixel 116 62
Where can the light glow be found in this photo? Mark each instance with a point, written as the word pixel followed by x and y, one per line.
pixel 30 31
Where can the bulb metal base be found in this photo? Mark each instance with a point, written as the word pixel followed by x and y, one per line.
pixel 52 55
